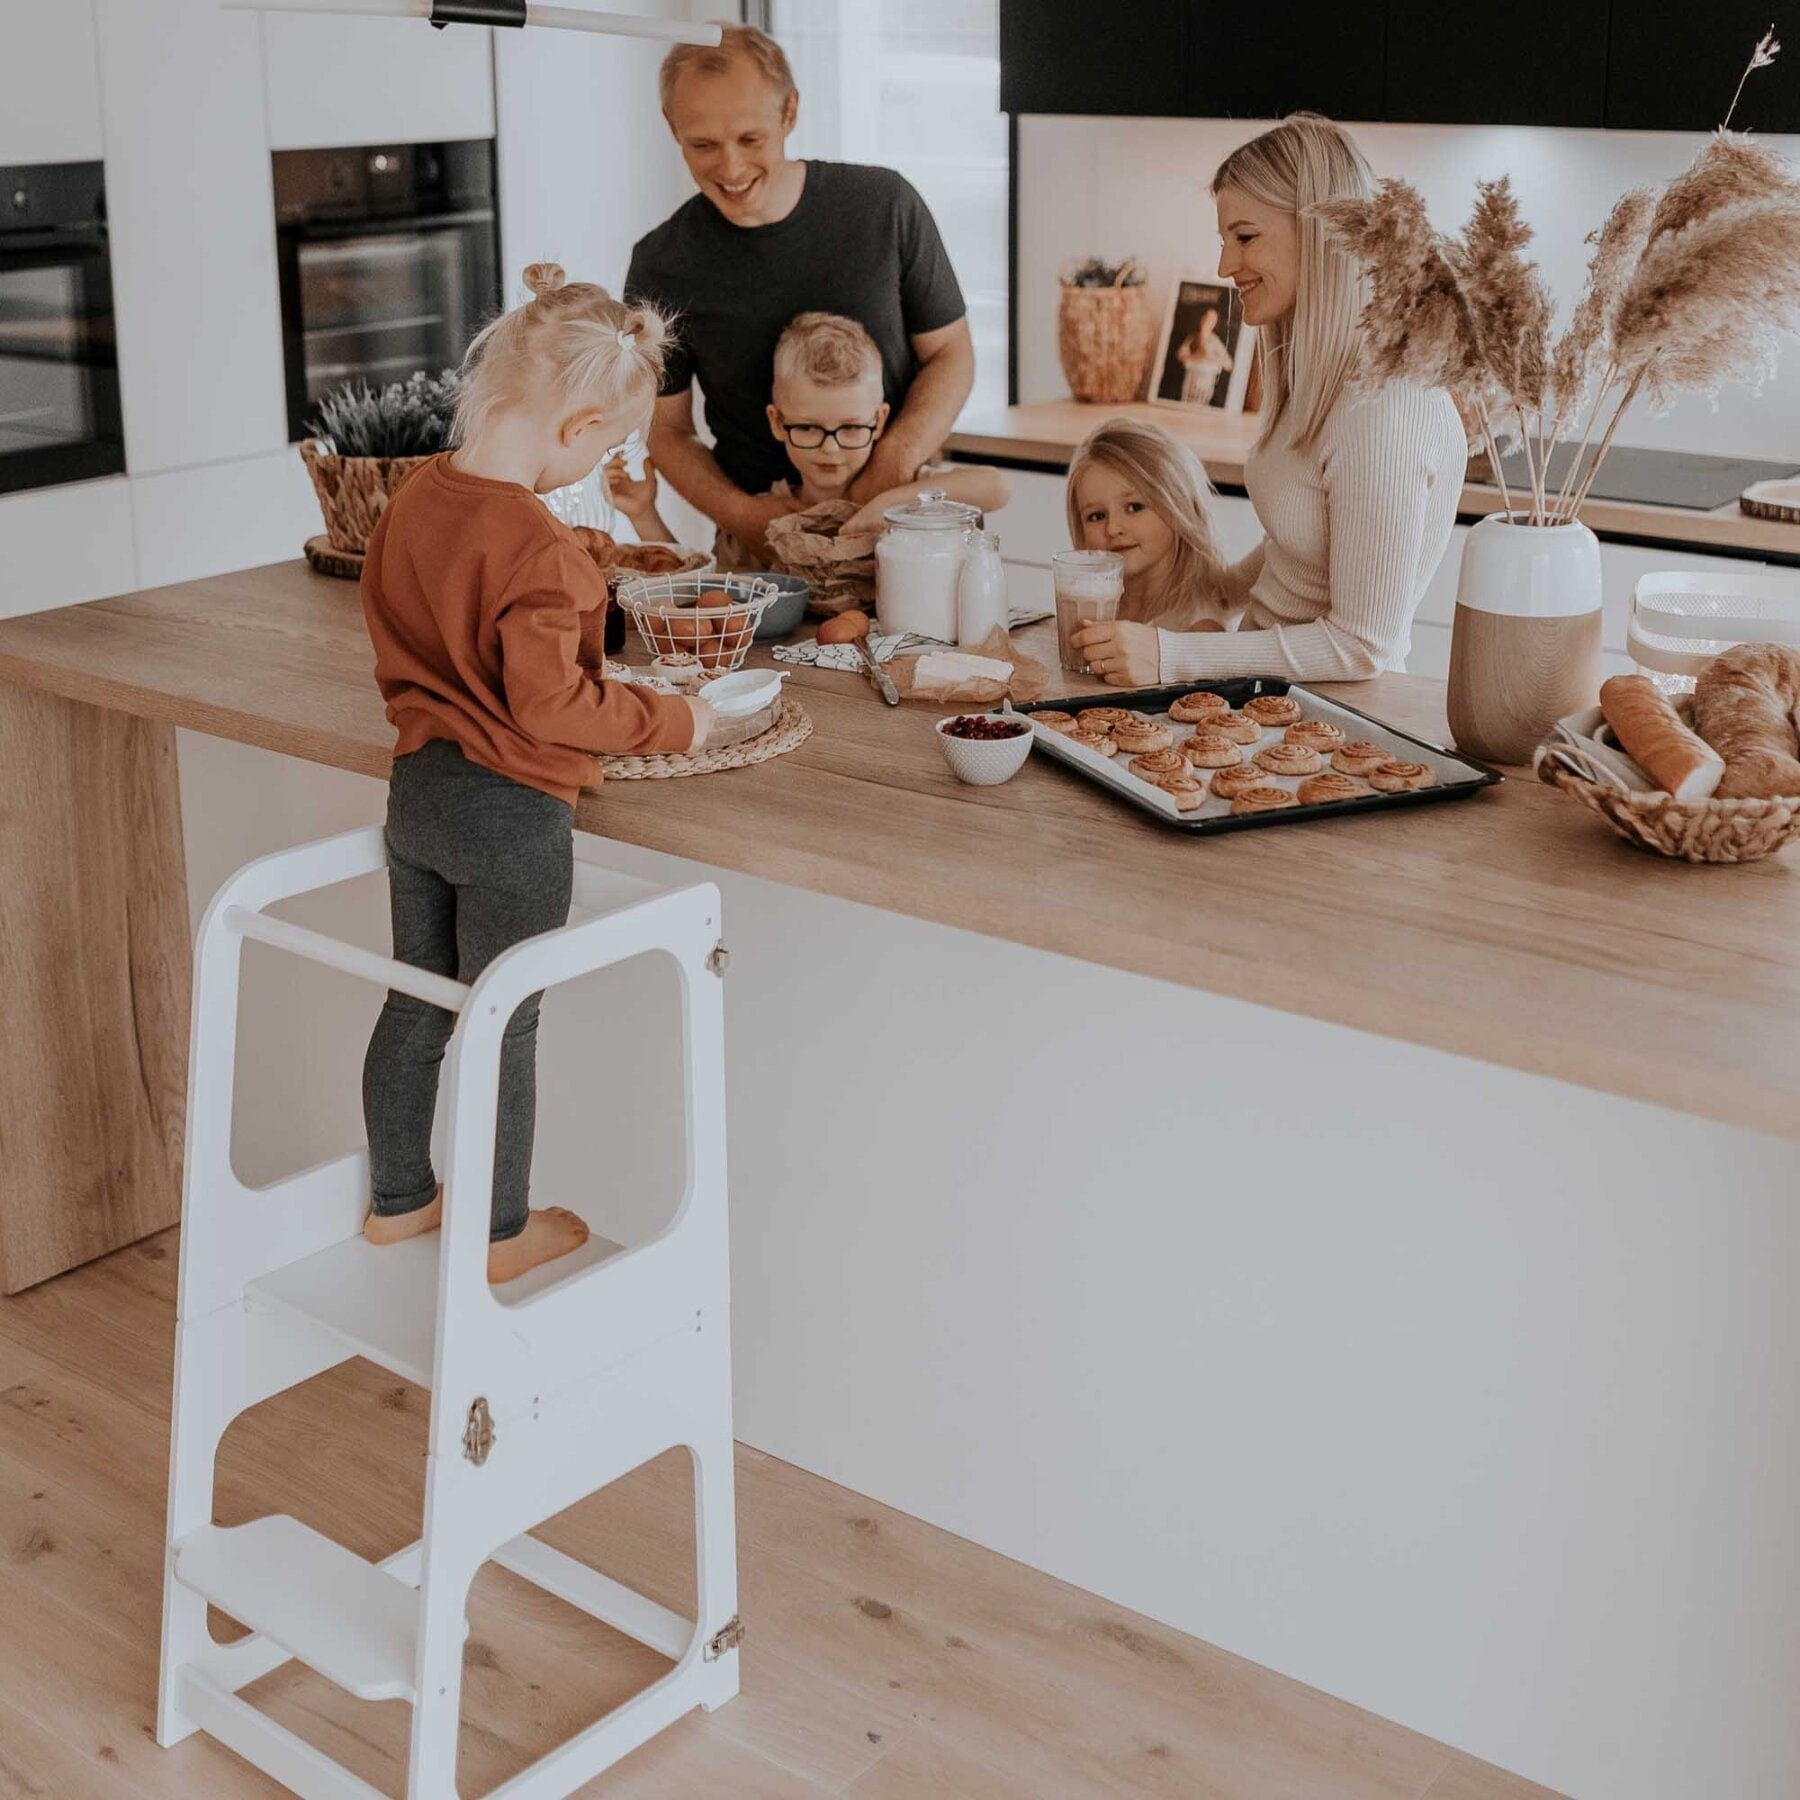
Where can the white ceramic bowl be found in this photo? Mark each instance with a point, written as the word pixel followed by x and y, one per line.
pixel 985 762
pixel 744 691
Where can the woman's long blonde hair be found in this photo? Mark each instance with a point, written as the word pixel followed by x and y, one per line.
pixel 1307 359
pixel 1171 480
pixel 572 337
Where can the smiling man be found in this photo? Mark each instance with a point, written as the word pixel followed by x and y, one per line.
pixel 767 238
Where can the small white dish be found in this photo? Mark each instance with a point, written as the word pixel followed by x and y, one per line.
pixel 985 762
pixel 744 691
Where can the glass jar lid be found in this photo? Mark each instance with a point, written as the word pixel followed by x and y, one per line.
pixel 932 510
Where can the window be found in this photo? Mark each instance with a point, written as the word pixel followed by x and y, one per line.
pixel 914 85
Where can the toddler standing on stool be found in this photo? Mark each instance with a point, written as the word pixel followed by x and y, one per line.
pixel 476 598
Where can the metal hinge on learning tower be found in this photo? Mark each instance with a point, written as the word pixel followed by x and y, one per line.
pixel 478 1434
pixel 728 1637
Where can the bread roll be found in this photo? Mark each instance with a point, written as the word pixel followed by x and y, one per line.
pixel 1744 707
pixel 1653 736
pixel 845 628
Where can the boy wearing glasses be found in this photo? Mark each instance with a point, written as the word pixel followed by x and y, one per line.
pixel 828 410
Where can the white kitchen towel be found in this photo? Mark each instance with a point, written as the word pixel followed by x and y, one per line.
pixel 844 656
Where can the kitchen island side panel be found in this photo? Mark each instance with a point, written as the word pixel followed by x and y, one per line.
pixel 1457 1392
pixel 94 974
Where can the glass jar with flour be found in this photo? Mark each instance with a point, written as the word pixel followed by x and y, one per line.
pixel 918 560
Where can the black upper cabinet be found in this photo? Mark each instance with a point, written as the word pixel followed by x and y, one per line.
pixel 1673 67
pixel 1094 56
pixel 1642 65
pixel 1264 61
pixel 1543 62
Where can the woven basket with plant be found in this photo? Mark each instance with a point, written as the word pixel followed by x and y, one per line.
pixel 1104 331
pixel 366 441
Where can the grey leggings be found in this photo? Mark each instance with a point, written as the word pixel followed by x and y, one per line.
pixel 476 862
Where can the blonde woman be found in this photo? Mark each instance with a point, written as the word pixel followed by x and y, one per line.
pixel 1356 490
pixel 1136 491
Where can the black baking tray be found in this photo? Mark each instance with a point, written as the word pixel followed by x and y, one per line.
pixel 1159 700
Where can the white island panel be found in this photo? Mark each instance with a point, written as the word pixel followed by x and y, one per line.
pixel 1463 1394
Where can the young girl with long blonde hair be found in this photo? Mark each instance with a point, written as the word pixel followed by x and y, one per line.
pixel 476 598
pixel 1356 490
pixel 1135 490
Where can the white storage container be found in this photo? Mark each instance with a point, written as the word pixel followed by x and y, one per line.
pixel 1681 621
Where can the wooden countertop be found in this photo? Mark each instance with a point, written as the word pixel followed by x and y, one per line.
pixel 1510 927
pixel 1045 435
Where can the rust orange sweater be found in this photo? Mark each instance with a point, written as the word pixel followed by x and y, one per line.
pixel 475 596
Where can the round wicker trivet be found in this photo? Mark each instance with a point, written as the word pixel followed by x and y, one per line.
pixel 1712 831
pixel 791 729
pixel 327 559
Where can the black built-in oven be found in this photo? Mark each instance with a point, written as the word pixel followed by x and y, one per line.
pixel 59 363
pixel 390 262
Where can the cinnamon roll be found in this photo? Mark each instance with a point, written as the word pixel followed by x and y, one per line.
pixel 1320 733
pixel 1211 750
pixel 1142 735
pixel 1399 777
pixel 1315 790
pixel 1262 799
pixel 1290 759
pixel 1358 757
pixel 1272 709
pixel 1190 709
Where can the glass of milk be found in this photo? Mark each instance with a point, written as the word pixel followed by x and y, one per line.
pixel 1089 586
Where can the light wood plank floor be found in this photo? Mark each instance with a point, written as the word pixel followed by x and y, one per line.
pixel 886 1660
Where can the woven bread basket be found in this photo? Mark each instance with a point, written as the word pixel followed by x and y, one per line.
pixel 1710 831
pixel 1104 336
pixel 353 490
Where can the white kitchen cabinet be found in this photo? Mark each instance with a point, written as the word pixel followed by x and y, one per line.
pixel 63 545
pixel 587 162
pixel 49 82
pixel 193 233
pixel 338 80
pixel 191 523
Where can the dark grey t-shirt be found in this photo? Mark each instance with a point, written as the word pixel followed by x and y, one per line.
pixel 860 242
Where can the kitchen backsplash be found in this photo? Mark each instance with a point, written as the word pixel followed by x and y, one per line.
pixel 1119 187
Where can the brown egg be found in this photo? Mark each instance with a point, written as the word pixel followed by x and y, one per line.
pixel 844 627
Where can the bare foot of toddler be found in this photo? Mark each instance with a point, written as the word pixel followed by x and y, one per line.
pixel 552 1232
pixel 392 1227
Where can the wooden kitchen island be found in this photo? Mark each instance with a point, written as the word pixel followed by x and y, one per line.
pixel 1354 1218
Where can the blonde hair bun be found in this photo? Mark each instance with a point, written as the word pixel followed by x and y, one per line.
pixel 545 278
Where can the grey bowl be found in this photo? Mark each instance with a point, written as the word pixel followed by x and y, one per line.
pixel 788 607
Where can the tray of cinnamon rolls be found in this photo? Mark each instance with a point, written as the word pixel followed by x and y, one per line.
pixel 1224 755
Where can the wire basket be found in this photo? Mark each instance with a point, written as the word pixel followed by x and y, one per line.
pixel 1681 621
pixel 713 617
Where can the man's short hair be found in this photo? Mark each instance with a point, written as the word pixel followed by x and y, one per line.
pixel 826 348
pixel 735 41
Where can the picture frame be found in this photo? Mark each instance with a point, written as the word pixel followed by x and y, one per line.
pixel 1204 351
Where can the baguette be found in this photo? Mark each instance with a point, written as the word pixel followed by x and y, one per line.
pixel 1681 763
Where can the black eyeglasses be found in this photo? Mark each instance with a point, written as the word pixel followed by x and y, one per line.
pixel 846 437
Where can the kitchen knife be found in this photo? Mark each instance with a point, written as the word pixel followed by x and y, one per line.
pixel 883 681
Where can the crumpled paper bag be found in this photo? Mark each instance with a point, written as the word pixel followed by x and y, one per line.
pixel 1029 680
pixel 841 569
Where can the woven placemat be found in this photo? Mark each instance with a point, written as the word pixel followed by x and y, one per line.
pixel 791 729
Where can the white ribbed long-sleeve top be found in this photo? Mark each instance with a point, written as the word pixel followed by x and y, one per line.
pixel 1354 529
